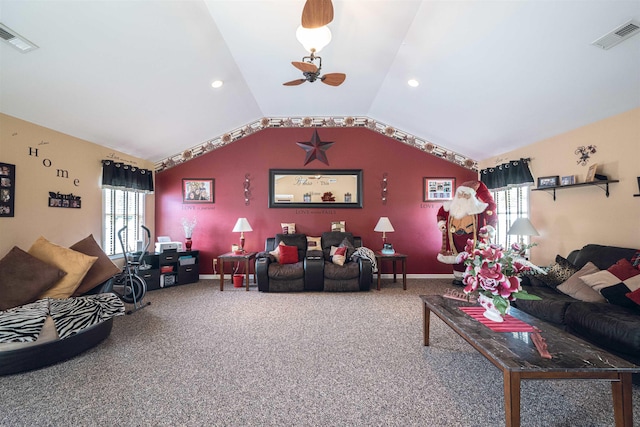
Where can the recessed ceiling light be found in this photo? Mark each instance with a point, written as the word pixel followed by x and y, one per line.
pixel 216 84
pixel 413 83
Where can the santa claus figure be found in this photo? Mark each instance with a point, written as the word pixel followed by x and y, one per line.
pixel 471 210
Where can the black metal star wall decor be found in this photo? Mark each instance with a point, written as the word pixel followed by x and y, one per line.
pixel 315 149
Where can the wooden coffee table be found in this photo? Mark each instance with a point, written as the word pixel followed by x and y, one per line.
pixel 518 358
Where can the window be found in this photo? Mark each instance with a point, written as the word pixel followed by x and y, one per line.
pixel 511 204
pixel 120 208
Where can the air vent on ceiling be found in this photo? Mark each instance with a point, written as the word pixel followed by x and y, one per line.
pixel 16 40
pixel 618 35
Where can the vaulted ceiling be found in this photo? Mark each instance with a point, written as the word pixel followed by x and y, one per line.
pixel 494 75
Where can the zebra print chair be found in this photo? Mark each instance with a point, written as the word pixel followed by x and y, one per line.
pixel 82 323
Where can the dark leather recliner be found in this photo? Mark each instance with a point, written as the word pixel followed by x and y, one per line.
pixel 355 275
pixel 314 271
pixel 305 275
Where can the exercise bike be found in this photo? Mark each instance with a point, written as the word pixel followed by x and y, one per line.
pixel 128 285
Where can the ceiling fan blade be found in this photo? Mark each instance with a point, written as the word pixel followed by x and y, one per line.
pixel 333 79
pixel 295 82
pixel 317 13
pixel 305 67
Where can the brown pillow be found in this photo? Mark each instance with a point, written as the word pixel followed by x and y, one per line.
pixel 23 278
pixel 101 270
pixel 74 263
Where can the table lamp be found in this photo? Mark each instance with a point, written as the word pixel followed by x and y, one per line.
pixel 241 226
pixel 383 226
pixel 522 227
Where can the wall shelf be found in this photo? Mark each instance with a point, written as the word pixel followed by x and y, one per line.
pixel 603 184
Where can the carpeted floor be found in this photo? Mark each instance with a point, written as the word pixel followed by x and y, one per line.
pixel 201 357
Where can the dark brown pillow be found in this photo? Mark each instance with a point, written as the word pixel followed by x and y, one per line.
pixel 100 271
pixel 23 278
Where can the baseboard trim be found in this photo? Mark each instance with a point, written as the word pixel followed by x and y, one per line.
pixel 375 276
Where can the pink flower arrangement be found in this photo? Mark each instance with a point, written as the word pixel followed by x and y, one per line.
pixel 493 271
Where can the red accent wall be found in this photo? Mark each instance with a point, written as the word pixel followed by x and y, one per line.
pixel 354 148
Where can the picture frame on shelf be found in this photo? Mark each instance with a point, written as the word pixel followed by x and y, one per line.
pixel 591 173
pixel 548 181
pixel 568 180
pixel 438 189
pixel 198 190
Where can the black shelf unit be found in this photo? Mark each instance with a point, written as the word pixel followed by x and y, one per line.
pixel 183 266
pixel 603 184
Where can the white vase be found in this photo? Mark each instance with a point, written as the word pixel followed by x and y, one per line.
pixel 490 310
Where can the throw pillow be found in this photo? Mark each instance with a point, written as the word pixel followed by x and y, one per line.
pixel 288 227
pixel 101 270
pixel 576 288
pixel 23 278
pixel 615 288
pixel 634 296
pixel 276 252
pixel 338 255
pixel 338 226
pixel 558 272
pixel 74 263
pixel 346 243
pixel 623 269
pixel 313 243
pixel 288 254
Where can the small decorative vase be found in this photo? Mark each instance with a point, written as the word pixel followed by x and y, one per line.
pixel 490 310
pixel 188 243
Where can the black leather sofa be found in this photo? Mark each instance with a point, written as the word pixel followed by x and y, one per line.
pixel 314 271
pixel 610 326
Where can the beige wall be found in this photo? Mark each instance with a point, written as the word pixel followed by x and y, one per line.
pixel 38 153
pixel 584 215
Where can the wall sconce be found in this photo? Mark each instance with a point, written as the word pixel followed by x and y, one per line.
pixel 247 189
pixel 383 186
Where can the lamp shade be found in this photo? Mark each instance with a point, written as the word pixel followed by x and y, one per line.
pixel 522 227
pixel 242 225
pixel 313 38
pixel 384 225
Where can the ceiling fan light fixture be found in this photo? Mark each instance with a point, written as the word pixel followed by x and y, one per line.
pixel 217 84
pixel 413 83
pixel 313 39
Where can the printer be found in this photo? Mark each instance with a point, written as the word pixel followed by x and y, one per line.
pixel 165 244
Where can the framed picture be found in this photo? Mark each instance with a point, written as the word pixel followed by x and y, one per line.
pixel 308 188
pixel 568 180
pixel 591 173
pixel 438 189
pixel 548 181
pixel 7 189
pixel 198 190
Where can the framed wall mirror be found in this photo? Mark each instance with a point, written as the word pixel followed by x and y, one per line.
pixel 301 188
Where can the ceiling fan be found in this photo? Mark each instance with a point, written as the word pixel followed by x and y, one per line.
pixel 317 13
pixel 311 72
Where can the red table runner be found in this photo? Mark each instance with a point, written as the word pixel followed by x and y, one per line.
pixel 510 324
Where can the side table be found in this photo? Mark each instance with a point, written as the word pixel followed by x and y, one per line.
pixel 393 258
pixel 247 257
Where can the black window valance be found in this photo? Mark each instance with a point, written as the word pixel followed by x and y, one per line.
pixel 121 176
pixel 511 174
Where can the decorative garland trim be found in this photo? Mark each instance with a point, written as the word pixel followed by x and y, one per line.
pixel 294 122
